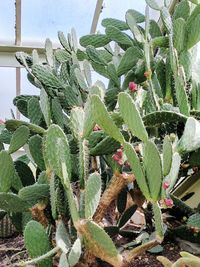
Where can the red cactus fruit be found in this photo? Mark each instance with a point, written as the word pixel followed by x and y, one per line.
pixel 166 185
pixel 132 87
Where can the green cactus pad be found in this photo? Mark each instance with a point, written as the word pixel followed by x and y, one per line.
pixel 76 122
pixel 92 194
pixel 194 221
pixel 167 155
pixel 131 116
pixel 45 106
pixel 94 55
pixel 46 76
pixel 129 59
pixel 88 119
pixel 153 169
pixel 137 169
pixel 179 27
pixel 105 147
pixel 157 118
pixel 153 4
pixel 34 111
pixel 103 119
pixel 35 147
pixel 13 203
pixel 24 172
pixel 100 244
pixel 54 141
pixel 12 125
pixel 7 171
pixel 37 242
pixel 121 25
pixel 116 35
pixel 19 138
pixel 34 193
pixel 96 40
pixel 75 253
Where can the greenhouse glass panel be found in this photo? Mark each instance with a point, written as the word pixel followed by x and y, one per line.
pixel 42 19
pixel 118 10
pixel 27 88
pixel 8 91
pixel 7 22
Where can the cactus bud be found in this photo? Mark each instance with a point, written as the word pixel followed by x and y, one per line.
pixel 172 137
pixel 148 74
pixel 132 87
pixel 168 202
pixel 96 128
pixel 166 185
pixel 119 153
pixel 115 157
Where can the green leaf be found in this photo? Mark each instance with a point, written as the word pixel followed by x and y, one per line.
pixel 153 168
pixel 35 147
pixel 167 155
pixel 14 124
pixel 19 138
pixel 127 215
pixel 132 117
pixel 75 253
pixel 7 171
pixel 92 194
pixel 103 119
pixel 137 169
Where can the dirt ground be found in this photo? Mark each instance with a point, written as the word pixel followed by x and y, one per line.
pixel 12 251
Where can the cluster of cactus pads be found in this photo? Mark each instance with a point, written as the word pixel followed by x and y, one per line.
pixel 89 145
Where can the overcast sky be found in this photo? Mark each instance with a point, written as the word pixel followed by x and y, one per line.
pixel 42 19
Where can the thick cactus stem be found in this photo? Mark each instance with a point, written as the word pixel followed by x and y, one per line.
pixel 118 182
pixel 129 256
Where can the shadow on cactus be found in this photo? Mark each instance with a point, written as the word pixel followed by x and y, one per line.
pixel 92 146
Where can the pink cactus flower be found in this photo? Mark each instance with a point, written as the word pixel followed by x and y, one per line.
pixel 132 87
pixel 120 162
pixel 2 121
pixel 166 185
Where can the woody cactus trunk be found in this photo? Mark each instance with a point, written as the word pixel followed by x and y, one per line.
pixel 93 144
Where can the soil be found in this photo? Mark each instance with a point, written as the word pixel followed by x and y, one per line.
pixel 12 251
